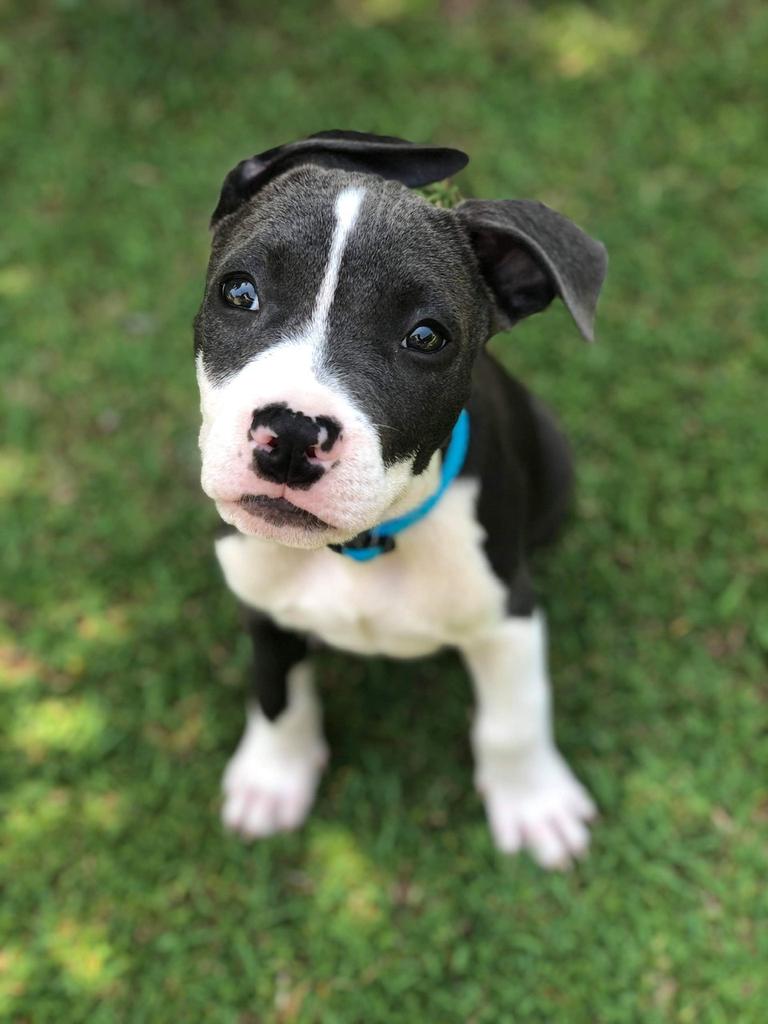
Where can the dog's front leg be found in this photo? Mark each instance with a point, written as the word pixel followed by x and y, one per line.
pixel 270 782
pixel 532 799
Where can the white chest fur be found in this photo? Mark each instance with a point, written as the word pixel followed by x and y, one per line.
pixel 435 589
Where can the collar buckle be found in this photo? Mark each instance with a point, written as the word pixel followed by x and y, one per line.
pixel 365 541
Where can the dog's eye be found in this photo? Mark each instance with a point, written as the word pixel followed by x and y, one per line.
pixel 239 290
pixel 425 337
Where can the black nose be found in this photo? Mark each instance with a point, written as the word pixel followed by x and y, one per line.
pixel 289 447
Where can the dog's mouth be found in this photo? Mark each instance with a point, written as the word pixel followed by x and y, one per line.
pixel 281 512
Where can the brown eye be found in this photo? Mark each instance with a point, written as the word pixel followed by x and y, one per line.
pixel 240 291
pixel 426 337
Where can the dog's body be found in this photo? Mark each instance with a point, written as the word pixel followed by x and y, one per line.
pixel 326 411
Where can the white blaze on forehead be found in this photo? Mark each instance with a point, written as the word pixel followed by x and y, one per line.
pixel 296 359
pixel 294 356
pixel 346 208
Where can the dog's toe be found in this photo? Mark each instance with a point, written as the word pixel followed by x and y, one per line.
pixel 259 818
pixel 234 808
pixel 254 811
pixel 266 791
pixel 547 817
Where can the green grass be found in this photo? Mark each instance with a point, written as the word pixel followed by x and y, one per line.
pixel 120 658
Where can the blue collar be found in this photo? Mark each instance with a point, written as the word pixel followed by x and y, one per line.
pixel 380 539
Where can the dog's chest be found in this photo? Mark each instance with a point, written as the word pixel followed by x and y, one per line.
pixel 435 589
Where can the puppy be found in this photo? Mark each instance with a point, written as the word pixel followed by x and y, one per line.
pixel 386 480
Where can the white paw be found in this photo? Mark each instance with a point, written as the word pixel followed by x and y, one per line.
pixel 268 789
pixel 544 812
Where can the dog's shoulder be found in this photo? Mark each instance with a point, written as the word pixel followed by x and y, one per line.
pixel 522 462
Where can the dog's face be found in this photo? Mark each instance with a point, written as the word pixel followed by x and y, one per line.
pixel 335 349
pixel 340 322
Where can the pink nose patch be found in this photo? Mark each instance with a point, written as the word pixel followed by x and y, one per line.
pixel 263 438
pixel 316 453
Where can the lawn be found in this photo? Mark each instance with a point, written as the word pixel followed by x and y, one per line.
pixel 121 661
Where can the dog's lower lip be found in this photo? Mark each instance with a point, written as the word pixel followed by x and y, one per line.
pixel 281 512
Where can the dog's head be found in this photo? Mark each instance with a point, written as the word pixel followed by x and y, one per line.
pixel 341 319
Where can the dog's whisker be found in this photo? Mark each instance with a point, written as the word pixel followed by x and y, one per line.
pixel 386 426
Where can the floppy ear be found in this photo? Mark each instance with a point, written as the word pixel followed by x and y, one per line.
pixel 528 254
pixel 384 155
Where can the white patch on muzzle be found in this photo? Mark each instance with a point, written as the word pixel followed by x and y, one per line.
pixel 355 492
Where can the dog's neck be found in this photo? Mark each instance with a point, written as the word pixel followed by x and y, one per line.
pixel 419 488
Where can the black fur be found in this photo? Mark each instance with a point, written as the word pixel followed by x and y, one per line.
pixel 275 652
pixel 529 253
pixel 523 465
pixel 383 155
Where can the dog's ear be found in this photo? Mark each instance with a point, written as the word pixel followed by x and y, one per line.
pixel 384 155
pixel 528 254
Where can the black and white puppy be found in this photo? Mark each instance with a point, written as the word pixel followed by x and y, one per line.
pixel 341 335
